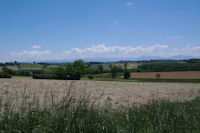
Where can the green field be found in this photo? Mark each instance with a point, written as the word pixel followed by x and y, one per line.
pixel 26 65
pixel 107 75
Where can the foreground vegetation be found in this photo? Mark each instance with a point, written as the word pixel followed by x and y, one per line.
pixel 74 114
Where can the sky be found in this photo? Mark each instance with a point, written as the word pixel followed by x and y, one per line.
pixel 40 30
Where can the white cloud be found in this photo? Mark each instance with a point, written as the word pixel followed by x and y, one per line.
pixel 31 55
pixel 36 46
pixel 107 52
pixel 174 37
pixel 129 3
pixel 104 51
pixel 188 51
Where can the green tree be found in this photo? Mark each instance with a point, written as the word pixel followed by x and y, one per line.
pixel 126 74
pixel 100 67
pixel 90 77
pixel 110 66
pixel 125 65
pixel 44 66
pixel 61 73
pixel 80 66
pixel 76 70
pixel 114 70
pixel 158 75
pixel 126 71
pixel 71 72
pixel 8 71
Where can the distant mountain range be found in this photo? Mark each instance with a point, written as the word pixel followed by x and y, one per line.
pixel 180 57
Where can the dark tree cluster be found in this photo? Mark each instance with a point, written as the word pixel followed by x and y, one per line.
pixel 6 72
pixel 159 67
pixel 71 71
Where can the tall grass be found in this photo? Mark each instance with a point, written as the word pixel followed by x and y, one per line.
pixel 24 112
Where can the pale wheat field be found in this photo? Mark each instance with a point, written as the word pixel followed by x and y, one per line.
pixel 114 93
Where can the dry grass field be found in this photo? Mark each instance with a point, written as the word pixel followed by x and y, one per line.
pixel 168 75
pixel 129 65
pixel 115 93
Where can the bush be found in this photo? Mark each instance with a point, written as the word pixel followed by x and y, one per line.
pixel 8 71
pixel 158 75
pixel 28 72
pixel 44 76
pixel 24 73
pixel 127 74
pixel 90 77
pixel 4 75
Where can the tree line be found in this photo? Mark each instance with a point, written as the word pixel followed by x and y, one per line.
pixel 70 71
pixel 159 67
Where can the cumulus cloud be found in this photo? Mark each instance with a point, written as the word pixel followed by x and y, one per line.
pixel 129 3
pixel 104 51
pixel 31 55
pixel 187 51
pixel 108 52
pixel 36 46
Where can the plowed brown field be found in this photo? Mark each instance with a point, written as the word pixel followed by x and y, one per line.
pixel 168 75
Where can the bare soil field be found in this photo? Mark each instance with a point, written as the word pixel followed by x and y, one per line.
pixel 168 75
pixel 114 93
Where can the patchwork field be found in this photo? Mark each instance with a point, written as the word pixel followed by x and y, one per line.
pixel 168 75
pixel 115 93
pixel 10 67
pixel 25 67
pixel 129 65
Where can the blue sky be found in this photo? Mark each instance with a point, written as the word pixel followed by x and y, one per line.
pixel 122 29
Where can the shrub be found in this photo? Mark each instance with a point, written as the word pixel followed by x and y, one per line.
pixel 44 76
pixel 4 75
pixel 24 73
pixel 28 72
pixel 90 77
pixel 158 75
pixel 127 74
pixel 8 71
pixel 114 70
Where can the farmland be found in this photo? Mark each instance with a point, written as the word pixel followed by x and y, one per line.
pixel 118 93
pixel 168 75
pixel 99 97
pixel 125 66
pixel 44 106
